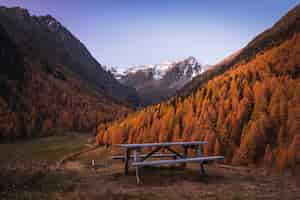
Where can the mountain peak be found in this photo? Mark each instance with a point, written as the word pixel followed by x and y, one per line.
pixel 24 16
pixel 50 21
pixel 160 70
pixel 156 82
pixel 116 72
pixel 16 11
pixel 44 40
pixel 191 59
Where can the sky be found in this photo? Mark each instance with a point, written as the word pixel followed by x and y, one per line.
pixel 126 33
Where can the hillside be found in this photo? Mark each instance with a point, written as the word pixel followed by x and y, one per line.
pixel 279 32
pixel 39 98
pixel 250 113
pixel 44 40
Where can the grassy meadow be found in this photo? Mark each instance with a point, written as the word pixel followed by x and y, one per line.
pixel 29 171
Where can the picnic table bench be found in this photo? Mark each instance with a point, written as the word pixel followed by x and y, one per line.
pixel 140 160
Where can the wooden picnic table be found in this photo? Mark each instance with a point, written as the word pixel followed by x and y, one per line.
pixel 140 159
pixel 137 148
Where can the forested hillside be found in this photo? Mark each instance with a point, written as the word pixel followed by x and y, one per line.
pixel 45 40
pixel 250 114
pixel 37 99
pixel 272 37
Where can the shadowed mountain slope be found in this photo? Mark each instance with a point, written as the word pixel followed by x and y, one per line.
pixel 41 96
pixel 43 39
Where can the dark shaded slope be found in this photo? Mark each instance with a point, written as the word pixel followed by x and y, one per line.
pixel 11 69
pixel 44 40
pixel 38 99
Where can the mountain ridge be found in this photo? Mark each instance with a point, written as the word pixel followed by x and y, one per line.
pixel 46 39
pixel 158 82
pixel 40 95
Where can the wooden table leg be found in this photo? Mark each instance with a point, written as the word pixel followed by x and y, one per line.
pixel 185 154
pixel 137 159
pixel 198 154
pixel 127 157
pixel 202 169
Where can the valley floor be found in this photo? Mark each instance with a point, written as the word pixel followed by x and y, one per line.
pixel 29 171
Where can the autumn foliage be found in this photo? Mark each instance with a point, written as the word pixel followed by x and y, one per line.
pixel 49 82
pixel 250 114
pixel 38 99
pixel 46 105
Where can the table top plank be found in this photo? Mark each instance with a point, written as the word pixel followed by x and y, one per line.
pixel 163 144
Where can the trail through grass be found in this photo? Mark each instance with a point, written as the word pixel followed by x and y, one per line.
pixel 49 149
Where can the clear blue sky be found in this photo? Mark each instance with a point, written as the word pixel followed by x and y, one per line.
pixel 125 33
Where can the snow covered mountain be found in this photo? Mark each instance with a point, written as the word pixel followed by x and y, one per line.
pixel 117 73
pixel 160 81
pixel 189 68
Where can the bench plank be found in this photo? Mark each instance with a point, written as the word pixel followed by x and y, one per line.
pixel 162 162
pixel 157 155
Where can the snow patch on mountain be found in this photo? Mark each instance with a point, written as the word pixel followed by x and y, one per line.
pixel 187 69
pixel 115 71
pixel 160 70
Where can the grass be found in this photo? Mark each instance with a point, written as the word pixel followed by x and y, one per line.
pixel 26 167
pixel 49 149
pixel 37 185
pixel 77 180
pixel 173 183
